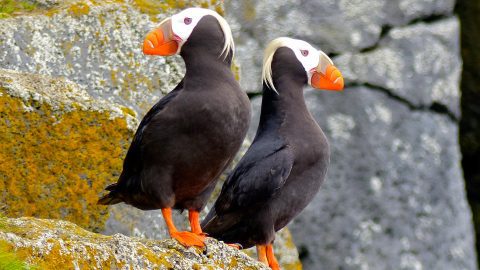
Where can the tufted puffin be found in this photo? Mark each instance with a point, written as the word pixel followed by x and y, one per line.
pixel 192 134
pixel 287 162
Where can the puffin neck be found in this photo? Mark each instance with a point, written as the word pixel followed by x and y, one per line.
pixel 276 108
pixel 206 65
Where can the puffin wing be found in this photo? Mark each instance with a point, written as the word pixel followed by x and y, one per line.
pixel 262 171
pixel 133 160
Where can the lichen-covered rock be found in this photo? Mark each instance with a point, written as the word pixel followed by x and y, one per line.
pixel 55 244
pixel 96 44
pixel 59 148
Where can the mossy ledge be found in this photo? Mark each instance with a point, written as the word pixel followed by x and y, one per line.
pixel 57 244
pixel 59 148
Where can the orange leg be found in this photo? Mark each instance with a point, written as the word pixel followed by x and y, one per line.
pixel 262 253
pixel 272 261
pixel 185 238
pixel 194 218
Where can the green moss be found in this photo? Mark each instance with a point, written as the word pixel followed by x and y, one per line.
pixel 9 260
pixel 8 7
pixel 55 165
pixel 54 244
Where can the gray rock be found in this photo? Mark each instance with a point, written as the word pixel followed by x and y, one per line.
pixel 419 63
pixel 101 51
pixel 394 197
pixel 333 26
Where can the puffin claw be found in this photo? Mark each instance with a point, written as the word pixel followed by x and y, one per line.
pixel 188 239
pixel 236 246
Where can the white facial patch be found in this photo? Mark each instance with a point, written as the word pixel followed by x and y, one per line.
pixel 306 54
pixel 310 58
pixel 185 21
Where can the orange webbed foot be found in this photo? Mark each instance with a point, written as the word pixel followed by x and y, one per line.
pixel 188 239
pixel 236 246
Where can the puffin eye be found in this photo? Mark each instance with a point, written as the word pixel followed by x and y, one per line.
pixel 304 52
pixel 187 20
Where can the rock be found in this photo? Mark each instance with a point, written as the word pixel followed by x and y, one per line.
pixel 394 197
pixel 419 63
pixel 96 44
pixel 59 148
pixel 333 26
pixel 56 244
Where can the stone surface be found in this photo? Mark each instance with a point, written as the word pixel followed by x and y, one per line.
pixel 59 147
pixel 55 244
pixel 419 63
pixel 394 197
pixel 96 44
pixel 333 26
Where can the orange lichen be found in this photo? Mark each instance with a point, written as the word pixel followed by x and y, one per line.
pixel 55 165
pixel 79 9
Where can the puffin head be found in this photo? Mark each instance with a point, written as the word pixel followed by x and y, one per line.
pixel 188 29
pixel 301 61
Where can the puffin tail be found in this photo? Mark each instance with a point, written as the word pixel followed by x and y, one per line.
pixel 111 197
pixel 208 220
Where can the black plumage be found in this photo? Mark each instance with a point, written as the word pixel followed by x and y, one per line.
pixel 190 136
pixel 281 171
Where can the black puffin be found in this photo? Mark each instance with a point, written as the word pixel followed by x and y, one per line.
pixel 287 162
pixel 192 134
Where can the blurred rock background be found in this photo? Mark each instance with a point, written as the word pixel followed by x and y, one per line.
pixel 395 194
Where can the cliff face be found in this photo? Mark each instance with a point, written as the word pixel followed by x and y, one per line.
pixel 395 195
pixel 73 85
pixel 56 244
pixel 59 148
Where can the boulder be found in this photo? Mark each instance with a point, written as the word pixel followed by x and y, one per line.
pixel 96 44
pixel 57 244
pixel 59 148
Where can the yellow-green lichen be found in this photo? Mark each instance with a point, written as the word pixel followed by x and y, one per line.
pixel 79 9
pixel 155 7
pixel 55 244
pixel 9 260
pixel 10 7
pixel 53 164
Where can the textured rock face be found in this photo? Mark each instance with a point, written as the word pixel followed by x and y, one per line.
pixel 96 44
pixel 53 244
pixel 59 148
pixel 394 197
pixel 334 26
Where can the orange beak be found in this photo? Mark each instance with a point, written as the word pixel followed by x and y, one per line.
pixel 161 41
pixel 326 76
pixel 330 80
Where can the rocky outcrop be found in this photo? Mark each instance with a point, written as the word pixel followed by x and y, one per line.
pixel 394 197
pixel 56 244
pixel 96 46
pixel 59 148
